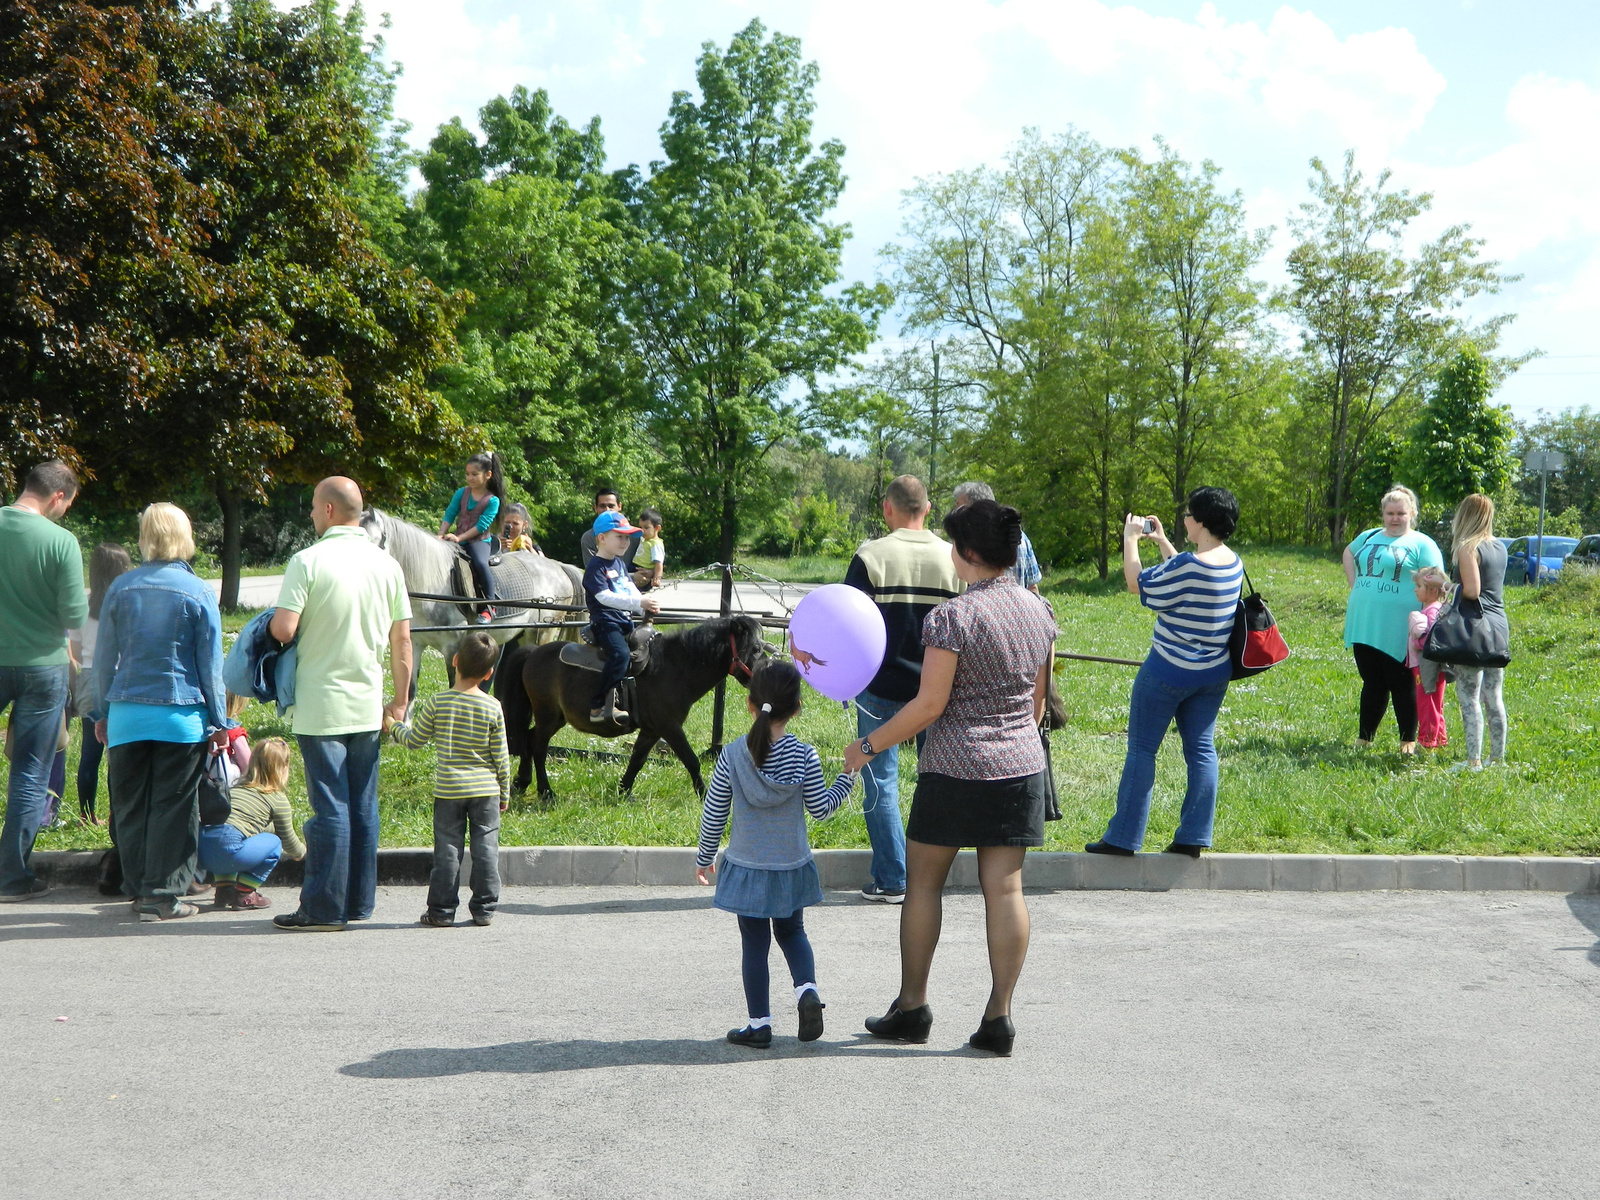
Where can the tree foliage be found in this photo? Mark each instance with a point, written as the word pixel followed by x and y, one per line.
pixel 731 266
pixel 1461 442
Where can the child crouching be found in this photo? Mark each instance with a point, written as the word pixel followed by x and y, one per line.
pixel 1430 585
pixel 471 785
pixel 769 780
pixel 241 852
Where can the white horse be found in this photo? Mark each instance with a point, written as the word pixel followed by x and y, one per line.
pixel 429 564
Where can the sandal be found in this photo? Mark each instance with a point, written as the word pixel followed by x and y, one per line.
pixel 175 913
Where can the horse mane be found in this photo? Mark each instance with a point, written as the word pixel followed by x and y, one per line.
pixel 703 642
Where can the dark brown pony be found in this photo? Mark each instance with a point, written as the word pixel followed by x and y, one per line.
pixel 536 688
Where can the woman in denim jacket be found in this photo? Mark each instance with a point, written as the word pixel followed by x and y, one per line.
pixel 158 699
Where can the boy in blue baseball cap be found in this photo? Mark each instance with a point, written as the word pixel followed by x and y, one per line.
pixel 613 602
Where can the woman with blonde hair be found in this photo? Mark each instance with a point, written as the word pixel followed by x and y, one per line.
pixel 158 697
pixel 1478 561
pixel 242 851
pixel 1378 566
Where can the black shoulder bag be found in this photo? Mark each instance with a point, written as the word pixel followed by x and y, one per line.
pixel 1466 636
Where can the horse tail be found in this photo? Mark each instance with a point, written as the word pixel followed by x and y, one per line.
pixel 513 696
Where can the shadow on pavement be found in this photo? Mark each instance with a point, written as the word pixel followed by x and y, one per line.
pixel 1587 909
pixel 114 919
pixel 661 904
pixel 588 1054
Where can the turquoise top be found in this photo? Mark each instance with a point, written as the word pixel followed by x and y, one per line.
pixel 129 721
pixel 1382 598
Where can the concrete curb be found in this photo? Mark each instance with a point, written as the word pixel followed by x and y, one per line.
pixel 655 866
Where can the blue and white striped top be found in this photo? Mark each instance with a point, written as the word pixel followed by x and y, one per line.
pixel 788 761
pixel 1195 604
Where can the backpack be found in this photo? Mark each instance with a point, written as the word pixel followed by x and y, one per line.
pixel 1255 643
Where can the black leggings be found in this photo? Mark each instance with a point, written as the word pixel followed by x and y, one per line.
pixel 1384 679
pixel 756 934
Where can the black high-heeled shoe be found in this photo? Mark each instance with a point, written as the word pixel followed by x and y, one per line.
pixel 995 1035
pixel 908 1025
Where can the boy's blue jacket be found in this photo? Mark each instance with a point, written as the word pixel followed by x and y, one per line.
pixel 260 668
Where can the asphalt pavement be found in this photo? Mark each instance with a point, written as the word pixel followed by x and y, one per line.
pixel 1188 1043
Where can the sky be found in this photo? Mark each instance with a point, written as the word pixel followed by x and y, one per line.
pixel 1489 105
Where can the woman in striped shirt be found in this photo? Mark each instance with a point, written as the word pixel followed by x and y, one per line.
pixel 1195 596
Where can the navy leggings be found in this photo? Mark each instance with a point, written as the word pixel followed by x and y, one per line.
pixel 757 934
pixel 478 551
pixel 613 640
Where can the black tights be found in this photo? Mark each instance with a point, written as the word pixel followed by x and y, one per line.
pixel 1384 679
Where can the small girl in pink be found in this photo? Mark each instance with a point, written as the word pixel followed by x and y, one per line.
pixel 1430 584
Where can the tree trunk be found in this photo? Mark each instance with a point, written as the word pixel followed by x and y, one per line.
pixel 228 502
pixel 725 552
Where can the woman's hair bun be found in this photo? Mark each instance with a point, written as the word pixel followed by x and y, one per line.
pixel 987 531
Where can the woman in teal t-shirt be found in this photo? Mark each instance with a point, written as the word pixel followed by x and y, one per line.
pixel 1378 565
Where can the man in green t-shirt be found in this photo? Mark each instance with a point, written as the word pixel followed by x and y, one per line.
pixel 41 597
pixel 343 598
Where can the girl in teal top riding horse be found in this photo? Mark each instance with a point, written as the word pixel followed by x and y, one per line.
pixel 472 513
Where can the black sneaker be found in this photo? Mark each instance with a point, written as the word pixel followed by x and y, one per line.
pixel 756 1039
pixel 437 920
pixel 34 890
pixel 811 1007
pixel 298 922
pixel 1105 847
pixel 880 895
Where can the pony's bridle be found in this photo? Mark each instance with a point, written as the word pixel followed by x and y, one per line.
pixel 737 664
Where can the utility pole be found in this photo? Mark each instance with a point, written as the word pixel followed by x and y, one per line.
pixel 1542 461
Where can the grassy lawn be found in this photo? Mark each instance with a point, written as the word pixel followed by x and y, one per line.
pixel 1292 780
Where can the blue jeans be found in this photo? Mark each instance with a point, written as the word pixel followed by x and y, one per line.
pixel 880 785
pixel 341 880
pixel 612 640
pixel 231 857
pixel 1154 705
pixel 36 697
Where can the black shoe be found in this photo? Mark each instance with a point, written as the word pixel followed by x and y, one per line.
pixel 1185 848
pixel 995 1035
pixel 437 920
pixel 298 922
pixel 880 895
pixel 33 891
pixel 811 1007
pixel 756 1039
pixel 1103 847
pixel 898 1026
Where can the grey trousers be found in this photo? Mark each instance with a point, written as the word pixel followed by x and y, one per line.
pixel 451 819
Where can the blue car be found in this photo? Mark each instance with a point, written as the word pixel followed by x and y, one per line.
pixel 1528 561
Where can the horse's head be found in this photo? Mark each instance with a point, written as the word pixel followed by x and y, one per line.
pixel 376 526
pixel 749 648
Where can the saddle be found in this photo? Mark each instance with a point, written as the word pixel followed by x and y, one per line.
pixel 464 584
pixel 591 658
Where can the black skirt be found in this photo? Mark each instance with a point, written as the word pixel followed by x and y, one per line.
pixel 946 811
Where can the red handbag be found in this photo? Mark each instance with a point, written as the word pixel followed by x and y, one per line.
pixel 1255 643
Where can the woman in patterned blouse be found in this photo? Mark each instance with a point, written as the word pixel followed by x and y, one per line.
pixel 981 774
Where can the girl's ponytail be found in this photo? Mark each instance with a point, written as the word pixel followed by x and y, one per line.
pixel 775 691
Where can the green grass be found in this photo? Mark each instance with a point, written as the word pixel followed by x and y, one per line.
pixel 1292 780
pixel 808 568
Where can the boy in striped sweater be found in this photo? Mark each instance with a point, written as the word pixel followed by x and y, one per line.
pixel 472 783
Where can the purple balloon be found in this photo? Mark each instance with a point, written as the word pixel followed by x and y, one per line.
pixel 842 630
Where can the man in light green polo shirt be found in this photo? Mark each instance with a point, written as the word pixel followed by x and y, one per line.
pixel 343 598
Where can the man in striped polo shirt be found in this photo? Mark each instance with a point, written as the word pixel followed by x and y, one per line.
pixel 908 573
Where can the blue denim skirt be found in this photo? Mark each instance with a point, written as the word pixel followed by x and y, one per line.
pixel 753 892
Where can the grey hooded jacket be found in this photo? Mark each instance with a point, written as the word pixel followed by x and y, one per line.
pixel 769 818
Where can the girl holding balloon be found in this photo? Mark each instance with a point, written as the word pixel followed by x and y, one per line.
pixel 767 781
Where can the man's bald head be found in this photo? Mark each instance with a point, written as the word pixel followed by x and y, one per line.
pixel 336 501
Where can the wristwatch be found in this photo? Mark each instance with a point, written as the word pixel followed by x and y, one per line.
pixel 866 748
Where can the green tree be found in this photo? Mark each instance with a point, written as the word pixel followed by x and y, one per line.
pixel 94 212
pixel 1576 433
pixel 1461 443
pixel 1196 256
pixel 523 228
pixel 292 348
pixel 732 268
pixel 1376 322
